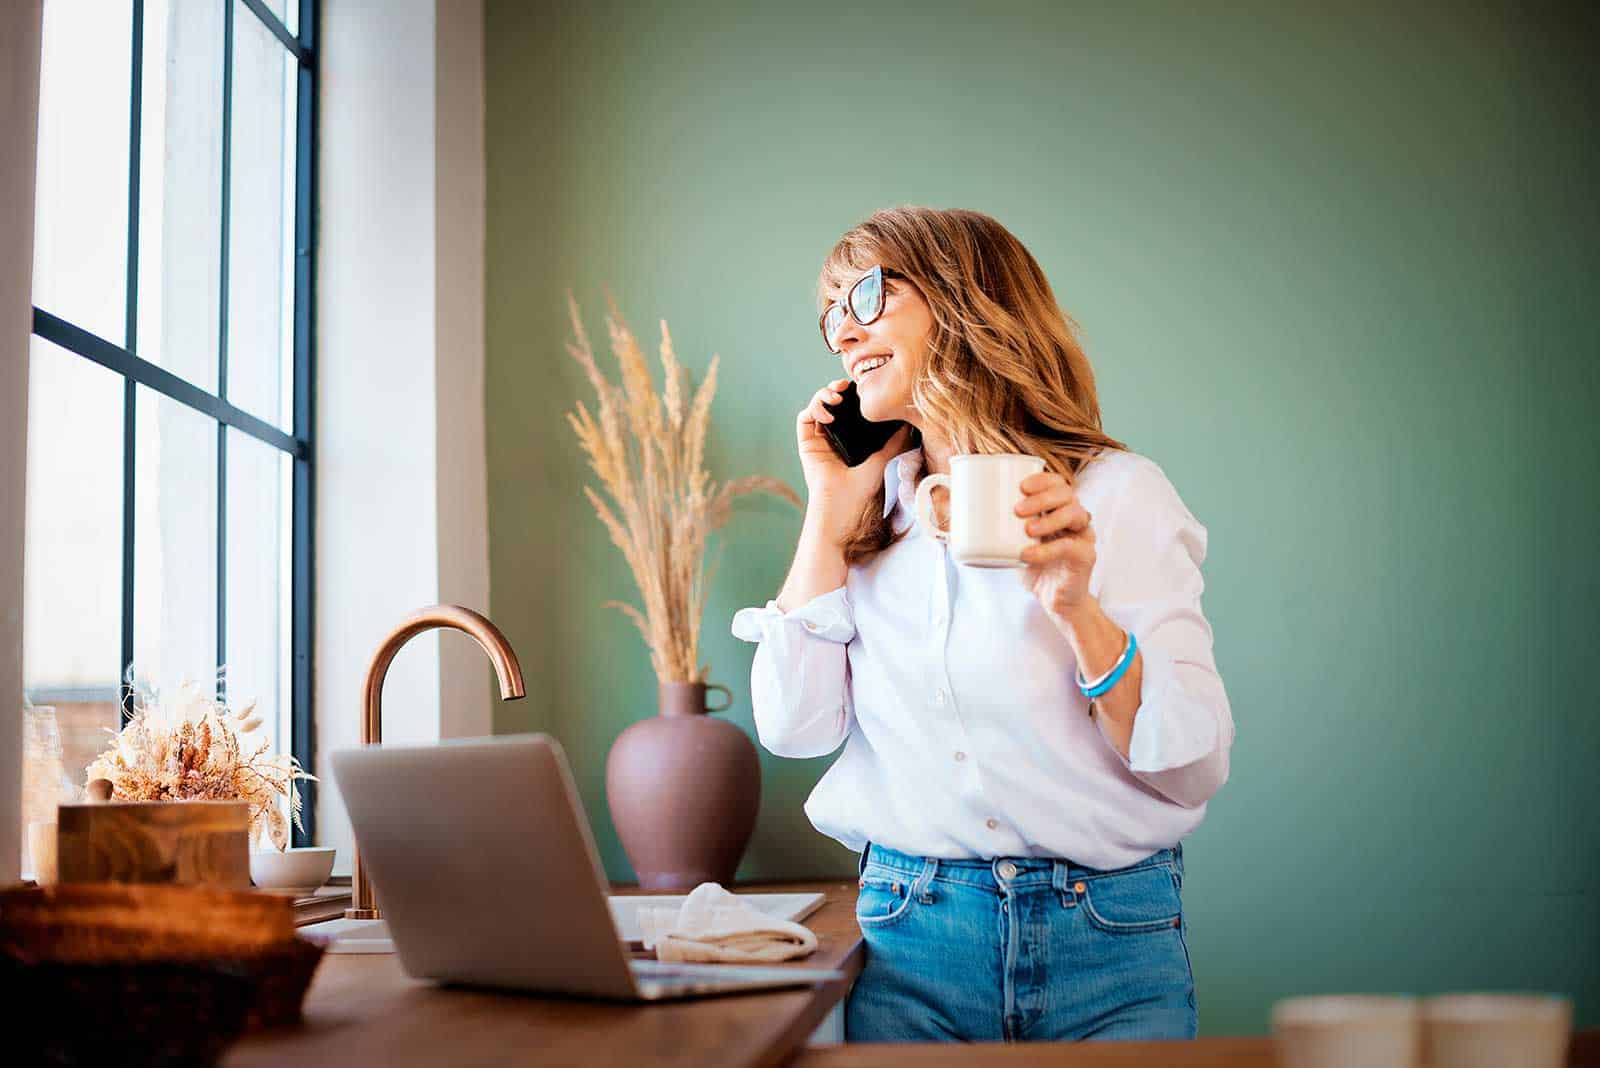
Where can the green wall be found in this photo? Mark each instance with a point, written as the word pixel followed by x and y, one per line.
pixel 1336 275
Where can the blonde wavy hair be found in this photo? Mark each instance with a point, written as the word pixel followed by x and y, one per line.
pixel 1004 370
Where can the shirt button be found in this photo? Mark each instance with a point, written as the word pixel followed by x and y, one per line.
pixel 939 695
pixel 810 626
pixel 991 824
pixel 1008 870
pixel 960 755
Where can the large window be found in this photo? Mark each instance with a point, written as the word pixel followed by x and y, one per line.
pixel 170 399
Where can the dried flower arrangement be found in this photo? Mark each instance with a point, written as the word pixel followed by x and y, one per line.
pixel 190 748
pixel 664 503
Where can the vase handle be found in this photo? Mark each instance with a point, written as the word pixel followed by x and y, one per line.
pixel 726 704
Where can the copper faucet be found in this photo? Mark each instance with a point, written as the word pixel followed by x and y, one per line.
pixel 363 905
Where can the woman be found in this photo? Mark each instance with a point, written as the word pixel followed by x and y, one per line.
pixel 1024 750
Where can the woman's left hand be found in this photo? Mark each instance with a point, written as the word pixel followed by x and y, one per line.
pixel 1058 566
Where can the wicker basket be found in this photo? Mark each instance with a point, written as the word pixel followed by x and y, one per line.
pixel 147 974
pixel 149 1012
pixel 123 922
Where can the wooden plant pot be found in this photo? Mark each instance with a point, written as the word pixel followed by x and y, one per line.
pixel 193 843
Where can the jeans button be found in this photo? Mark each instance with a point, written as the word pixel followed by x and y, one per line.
pixel 1008 870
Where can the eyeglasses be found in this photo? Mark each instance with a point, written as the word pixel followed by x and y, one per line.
pixel 864 301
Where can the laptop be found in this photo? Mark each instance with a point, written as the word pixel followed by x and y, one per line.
pixel 485 868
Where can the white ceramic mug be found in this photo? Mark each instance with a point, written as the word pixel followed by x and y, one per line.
pixel 985 529
pixel 1491 1030
pixel 1347 1031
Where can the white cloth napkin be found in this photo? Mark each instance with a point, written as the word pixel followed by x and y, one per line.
pixel 715 925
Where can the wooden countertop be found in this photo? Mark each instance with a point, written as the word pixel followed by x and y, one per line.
pixel 365 1010
pixel 1200 1053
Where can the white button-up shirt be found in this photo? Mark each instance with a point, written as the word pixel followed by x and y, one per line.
pixel 965 734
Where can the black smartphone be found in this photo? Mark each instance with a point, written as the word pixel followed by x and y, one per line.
pixel 853 436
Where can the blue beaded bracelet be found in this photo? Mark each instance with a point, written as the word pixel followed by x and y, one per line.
pixel 1110 678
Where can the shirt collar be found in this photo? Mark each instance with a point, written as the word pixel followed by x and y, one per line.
pixel 900 481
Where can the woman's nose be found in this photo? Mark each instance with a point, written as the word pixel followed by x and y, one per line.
pixel 850 333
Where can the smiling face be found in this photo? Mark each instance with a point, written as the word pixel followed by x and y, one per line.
pixel 884 357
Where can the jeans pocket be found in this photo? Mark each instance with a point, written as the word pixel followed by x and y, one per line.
pixel 1134 902
pixel 883 898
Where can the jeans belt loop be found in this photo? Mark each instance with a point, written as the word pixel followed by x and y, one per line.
pixel 1059 875
pixel 924 885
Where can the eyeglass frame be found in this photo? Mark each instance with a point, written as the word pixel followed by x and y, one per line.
pixel 822 320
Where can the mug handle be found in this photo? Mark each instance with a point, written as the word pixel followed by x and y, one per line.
pixel 925 505
pixel 726 692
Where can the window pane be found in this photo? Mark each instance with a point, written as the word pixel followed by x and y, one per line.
pixel 261 223
pixel 288 12
pixel 258 582
pixel 80 253
pixel 174 543
pixel 180 188
pixel 72 587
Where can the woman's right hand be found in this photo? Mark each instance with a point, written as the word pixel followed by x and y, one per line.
pixel 836 493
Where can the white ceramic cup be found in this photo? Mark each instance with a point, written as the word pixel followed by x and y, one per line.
pixel 1484 1030
pixel 1347 1031
pixel 985 530
pixel 42 849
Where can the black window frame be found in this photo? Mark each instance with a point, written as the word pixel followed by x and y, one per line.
pixel 137 372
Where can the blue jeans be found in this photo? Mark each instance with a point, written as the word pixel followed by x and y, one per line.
pixel 1020 949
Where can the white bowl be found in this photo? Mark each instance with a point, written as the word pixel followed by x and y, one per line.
pixel 304 868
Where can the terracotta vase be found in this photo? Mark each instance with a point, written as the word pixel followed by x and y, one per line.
pixel 684 789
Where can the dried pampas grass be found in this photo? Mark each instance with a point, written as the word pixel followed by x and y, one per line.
pixel 648 452
pixel 188 747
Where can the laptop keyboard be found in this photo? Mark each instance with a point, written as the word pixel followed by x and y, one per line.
pixel 672 974
pixel 680 974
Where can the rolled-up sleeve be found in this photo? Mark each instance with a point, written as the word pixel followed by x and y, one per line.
pixel 799 681
pixel 1183 729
